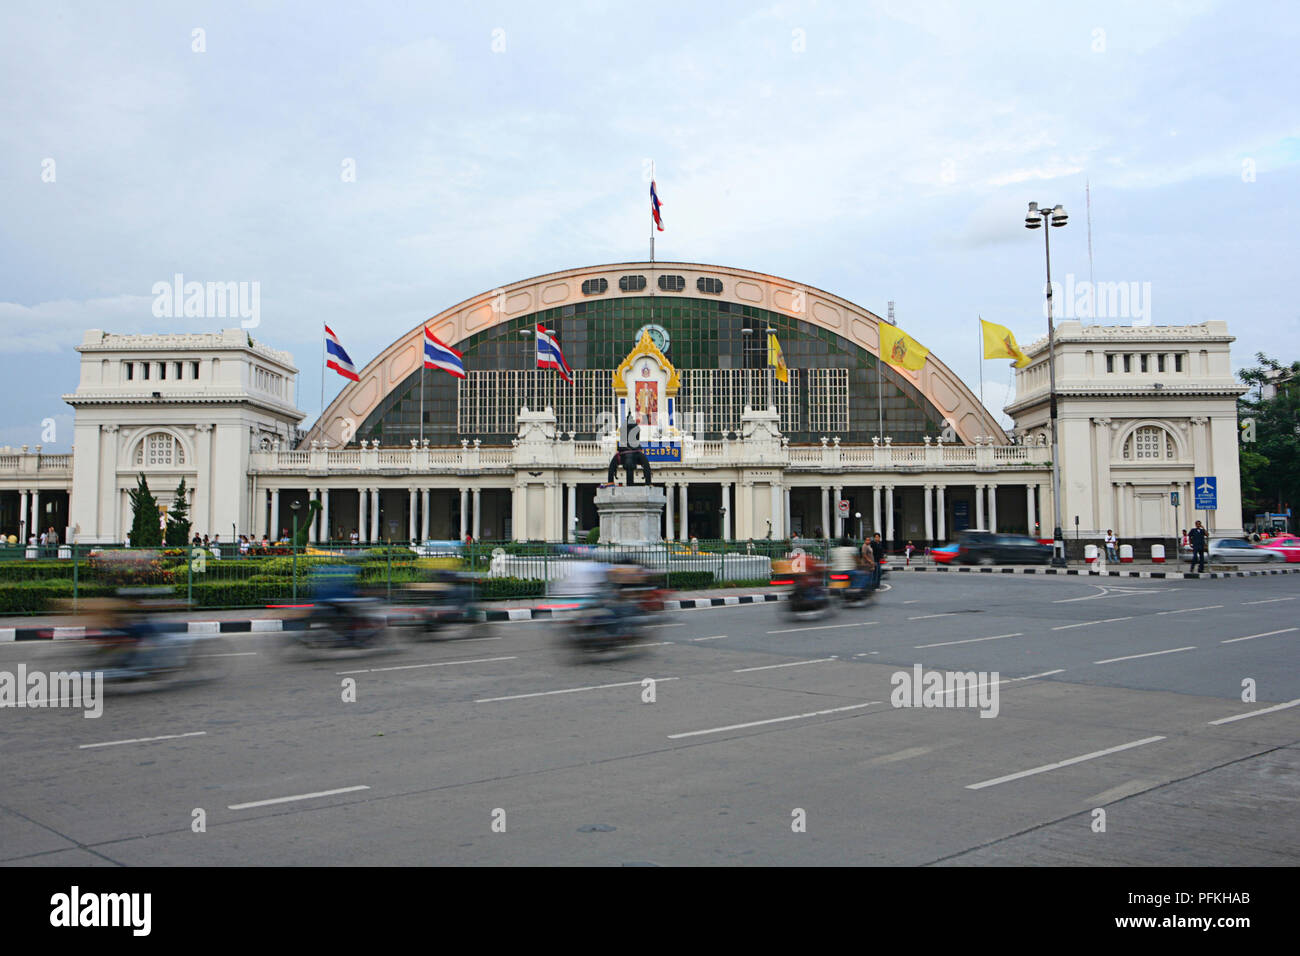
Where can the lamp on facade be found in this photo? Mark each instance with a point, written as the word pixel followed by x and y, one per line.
pixel 1035 219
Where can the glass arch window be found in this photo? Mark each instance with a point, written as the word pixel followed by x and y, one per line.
pixel 705 333
pixel 159 448
pixel 1149 443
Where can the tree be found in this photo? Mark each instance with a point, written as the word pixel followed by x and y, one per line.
pixel 178 519
pixel 146 526
pixel 1269 451
pixel 304 526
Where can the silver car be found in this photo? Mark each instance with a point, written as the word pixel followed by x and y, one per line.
pixel 1237 551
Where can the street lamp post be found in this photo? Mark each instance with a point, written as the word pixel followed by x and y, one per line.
pixel 293 544
pixel 858 515
pixel 1036 218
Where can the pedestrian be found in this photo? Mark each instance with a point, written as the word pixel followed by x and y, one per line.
pixel 1186 542
pixel 197 542
pixel 266 542
pixel 244 545
pixel 907 550
pixel 878 556
pixel 1199 538
pixel 1112 542
pixel 216 546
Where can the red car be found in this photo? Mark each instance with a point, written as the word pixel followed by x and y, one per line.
pixel 1288 546
pixel 945 554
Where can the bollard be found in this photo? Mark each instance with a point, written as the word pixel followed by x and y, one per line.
pixel 1126 554
pixel 1157 554
pixel 1089 553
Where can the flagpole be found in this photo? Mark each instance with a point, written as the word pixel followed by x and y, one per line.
pixel 422 390
pixel 981 361
pixel 320 422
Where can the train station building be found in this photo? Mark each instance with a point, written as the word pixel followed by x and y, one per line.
pixel 850 444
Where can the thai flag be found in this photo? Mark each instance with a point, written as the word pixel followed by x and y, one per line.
pixel 339 359
pixel 550 356
pixel 438 354
pixel 654 206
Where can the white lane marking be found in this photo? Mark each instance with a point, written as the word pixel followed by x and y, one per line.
pixel 867 654
pixel 915 601
pixel 1109 620
pixel 657 644
pixel 571 690
pixel 771 720
pixel 143 740
pixel 232 654
pixel 768 667
pixel 1187 610
pixel 1269 601
pixel 300 796
pixel 1133 657
pixel 408 667
pixel 715 637
pixel 1256 713
pixel 922 617
pixel 1059 670
pixel 822 627
pixel 1251 637
pixel 1062 763
pixel 1111 590
pixel 971 640
pixel 678 624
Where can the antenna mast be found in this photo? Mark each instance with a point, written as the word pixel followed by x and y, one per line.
pixel 1087 192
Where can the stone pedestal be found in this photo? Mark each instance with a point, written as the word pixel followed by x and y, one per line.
pixel 630 515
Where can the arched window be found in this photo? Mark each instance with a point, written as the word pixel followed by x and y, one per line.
pixel 159 448
pixel 1149 443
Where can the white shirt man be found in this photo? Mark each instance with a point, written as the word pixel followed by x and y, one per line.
pixel 1112 542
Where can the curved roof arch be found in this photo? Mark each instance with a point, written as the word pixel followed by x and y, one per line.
pixel 387 370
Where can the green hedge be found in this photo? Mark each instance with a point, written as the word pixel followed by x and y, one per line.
pixel 36 596
pixel 496 589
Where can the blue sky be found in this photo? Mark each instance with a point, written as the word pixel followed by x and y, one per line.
pixel 876 150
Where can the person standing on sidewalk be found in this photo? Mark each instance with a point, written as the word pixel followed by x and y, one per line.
pixel 1112 543
pixel 878 555
pixel 1199 539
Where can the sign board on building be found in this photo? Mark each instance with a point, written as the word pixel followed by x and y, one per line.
pixel 1206 492
pixel 1173 498
pixel 661 451
pixel 843 507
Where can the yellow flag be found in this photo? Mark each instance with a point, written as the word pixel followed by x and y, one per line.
pixel 899 348
pixel 1000 343
pixel 776 359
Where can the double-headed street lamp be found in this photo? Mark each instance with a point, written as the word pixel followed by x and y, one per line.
pixel 1035 219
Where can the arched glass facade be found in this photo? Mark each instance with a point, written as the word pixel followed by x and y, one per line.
pixel 705 334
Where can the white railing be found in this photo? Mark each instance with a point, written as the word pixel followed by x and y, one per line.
pixel 593 454
pixel 9 462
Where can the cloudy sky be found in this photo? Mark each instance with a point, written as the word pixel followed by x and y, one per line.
pixel 371 164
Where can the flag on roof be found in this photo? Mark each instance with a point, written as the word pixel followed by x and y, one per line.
pixel 339 360
pixel 438 354
pixel 654 207
pixel 550 356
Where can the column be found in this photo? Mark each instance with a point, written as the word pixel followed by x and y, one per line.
pixel 826 511
pixel 889 512
pixel 424 515
pixel 38 524
pixel 326 531
pixel 979 506
pixel 839 522
pixel 275 514
pixel 464 513
pixel 668 511
pixel 726 511
pixel 942 509
pixel 573 512
pixel 686 529
pixel 774 510
pixel 929 513
pixel 1031 509
pixel 375 537
pixel 24 523
pixel 785 517
pixel 363 515
pixel 993 508
pixel 875 508
pixel 478 524
pixel 410 515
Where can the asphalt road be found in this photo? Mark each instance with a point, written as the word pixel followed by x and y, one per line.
pixel 1114 697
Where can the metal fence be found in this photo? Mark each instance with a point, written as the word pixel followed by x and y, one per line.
pixel 37 580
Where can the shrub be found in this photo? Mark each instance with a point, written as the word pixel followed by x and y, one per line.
pixel 497 589
pixel 689 580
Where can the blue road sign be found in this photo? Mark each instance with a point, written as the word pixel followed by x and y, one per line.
pixel 1173 498
pixel 1206 490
